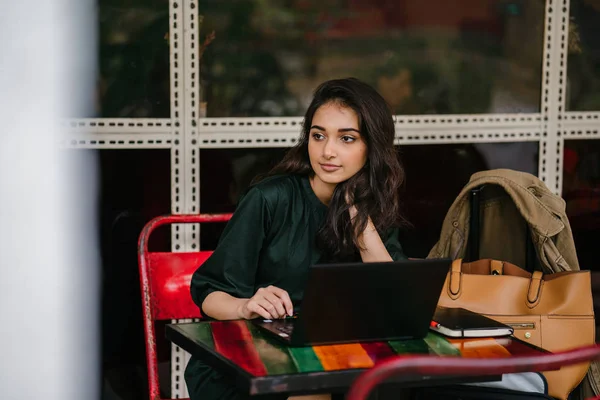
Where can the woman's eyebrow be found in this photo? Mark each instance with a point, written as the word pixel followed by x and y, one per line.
pixel 349 130
pixel 339 130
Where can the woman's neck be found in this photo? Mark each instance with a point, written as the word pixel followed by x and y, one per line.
pixel 323 191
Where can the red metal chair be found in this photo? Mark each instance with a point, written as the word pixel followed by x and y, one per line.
pixel 454 366
pixel 165 282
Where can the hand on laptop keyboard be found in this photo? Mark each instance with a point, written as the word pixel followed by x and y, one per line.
pixel 270 303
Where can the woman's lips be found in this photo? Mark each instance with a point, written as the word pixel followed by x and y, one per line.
pixel 330 167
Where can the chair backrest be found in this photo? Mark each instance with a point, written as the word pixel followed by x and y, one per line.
pixel 456 366
pixel 165 284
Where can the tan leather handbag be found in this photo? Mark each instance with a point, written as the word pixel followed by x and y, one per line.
pixel 552 311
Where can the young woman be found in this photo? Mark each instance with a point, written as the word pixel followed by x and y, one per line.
pixel 334 197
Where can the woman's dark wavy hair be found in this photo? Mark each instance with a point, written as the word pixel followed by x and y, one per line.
pixel 374 189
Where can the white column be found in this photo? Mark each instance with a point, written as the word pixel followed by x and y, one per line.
pixel 49 270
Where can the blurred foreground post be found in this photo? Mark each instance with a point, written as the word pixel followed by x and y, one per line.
pixel 49 269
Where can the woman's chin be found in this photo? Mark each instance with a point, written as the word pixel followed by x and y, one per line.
pixel 331 180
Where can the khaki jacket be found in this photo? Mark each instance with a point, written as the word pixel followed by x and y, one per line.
pixel 505 215
pixel 525 199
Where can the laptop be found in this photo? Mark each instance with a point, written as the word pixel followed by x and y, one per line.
pixel 357 302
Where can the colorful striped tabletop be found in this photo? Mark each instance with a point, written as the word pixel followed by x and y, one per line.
pixel 243 344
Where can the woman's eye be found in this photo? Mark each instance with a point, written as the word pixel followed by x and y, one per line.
pixel 318 136
pixel 348 139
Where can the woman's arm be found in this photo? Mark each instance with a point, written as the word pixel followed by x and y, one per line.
pixel 372 248
pixel 220 305
pixel 269 302
pixel 224 286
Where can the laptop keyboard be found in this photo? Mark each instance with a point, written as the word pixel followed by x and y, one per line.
pixel 280 327
pixel 286 328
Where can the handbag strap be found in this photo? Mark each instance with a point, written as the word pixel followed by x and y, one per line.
pixel 535 289
pixel 496 267
pixel 455 279
pixel 455 282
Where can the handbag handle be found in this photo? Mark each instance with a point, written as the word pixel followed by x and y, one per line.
pixel 454 285
pixel 535 288
pixel 455 282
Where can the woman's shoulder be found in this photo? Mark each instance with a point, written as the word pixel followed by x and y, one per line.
pixel 275 187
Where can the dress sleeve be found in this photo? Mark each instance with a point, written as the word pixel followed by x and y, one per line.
pixel 392 244
pixel 232 266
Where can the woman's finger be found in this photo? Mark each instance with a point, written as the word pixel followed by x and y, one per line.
pixel 269 307
pixel 256 308
pixel 285 299
pixel 277 302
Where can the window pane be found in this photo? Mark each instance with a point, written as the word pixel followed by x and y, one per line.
pixel 134 187
pixel 220 191
pixel 581 191
pixel 583 89
pixel 134 71
pixel 435 175
pixel 433 57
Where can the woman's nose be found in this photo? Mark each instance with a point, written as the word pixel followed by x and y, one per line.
pixel 329 149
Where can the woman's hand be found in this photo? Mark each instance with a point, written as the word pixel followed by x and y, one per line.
pixel 269 303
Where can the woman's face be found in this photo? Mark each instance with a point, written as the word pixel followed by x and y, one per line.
pixel 336 148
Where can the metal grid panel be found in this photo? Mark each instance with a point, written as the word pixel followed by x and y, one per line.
pixel 468 134
pixel 82 140
pixel 581 118
pixel 179 360
pixel 116 125
pixel 560 67
pixel 590 132
pixel 189 155
pixel 192 96
pixel 178 160
pixel 553 89
pixel 481 120
pixel 283 126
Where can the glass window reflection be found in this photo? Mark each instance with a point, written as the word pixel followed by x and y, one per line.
pixel 583 69
pixel 435 174
pixel 134 75
pixel 134 187
pixel 581 191
pixel 433 57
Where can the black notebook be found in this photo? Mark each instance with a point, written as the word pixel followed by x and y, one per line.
pixel 459 322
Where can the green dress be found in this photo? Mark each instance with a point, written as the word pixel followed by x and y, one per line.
pixel 270 240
